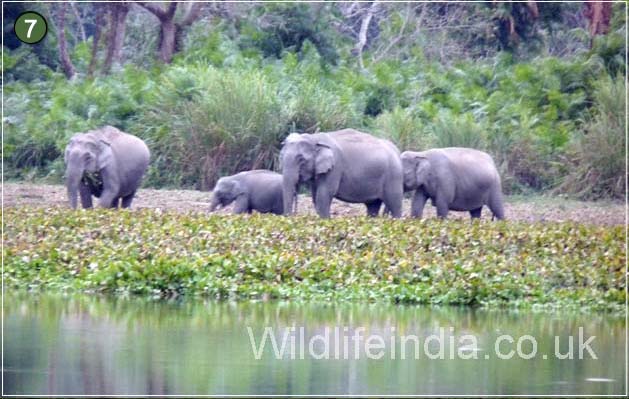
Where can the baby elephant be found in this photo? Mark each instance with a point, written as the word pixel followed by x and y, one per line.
pixel 259 190
pixel 457 179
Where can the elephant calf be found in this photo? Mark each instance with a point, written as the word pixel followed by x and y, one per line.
pixel 259 190
pixel 105 163
pixel 457 179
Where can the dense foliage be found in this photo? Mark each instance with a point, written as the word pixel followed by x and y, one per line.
pixel 545 105
pixel 156 253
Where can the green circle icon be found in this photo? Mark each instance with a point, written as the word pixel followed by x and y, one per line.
pixel 30 27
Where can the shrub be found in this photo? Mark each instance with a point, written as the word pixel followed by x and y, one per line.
pixel 525 167
pixel 404 129
pixel 204 122
pixel 313 107
pixel 597 155
pixel 286 27
pixel 451 130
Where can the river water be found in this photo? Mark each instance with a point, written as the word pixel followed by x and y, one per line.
pixel 93 345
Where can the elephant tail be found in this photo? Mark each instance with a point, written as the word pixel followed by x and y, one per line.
pixel 496 203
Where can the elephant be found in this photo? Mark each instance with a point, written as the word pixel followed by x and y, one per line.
pixel 457 179
pixel 348 165
pixel 259 190
pixel 105 163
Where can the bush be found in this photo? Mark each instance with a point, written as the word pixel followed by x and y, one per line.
pixel 597 156
pixel 203 122
pixel 287 27
pixel 314 108
pixel 451 130
pixel 404 129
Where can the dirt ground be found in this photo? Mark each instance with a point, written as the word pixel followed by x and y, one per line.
pixel 531 208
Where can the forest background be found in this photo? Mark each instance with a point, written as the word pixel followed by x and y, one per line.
pixel 213 88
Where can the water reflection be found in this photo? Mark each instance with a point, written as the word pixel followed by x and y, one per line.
pixel 92 345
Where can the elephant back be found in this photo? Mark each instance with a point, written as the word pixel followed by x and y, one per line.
pixel 107 134
pixel 355 139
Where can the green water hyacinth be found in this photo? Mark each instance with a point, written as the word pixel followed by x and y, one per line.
pixel 155 253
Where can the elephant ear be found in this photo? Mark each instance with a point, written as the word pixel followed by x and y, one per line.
pixel 105 156
pixel 324 161
pixel 237 188
pixel 423 171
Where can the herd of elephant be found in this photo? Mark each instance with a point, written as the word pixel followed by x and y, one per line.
pixel 347 164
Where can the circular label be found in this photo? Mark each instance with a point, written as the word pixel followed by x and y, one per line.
pixel 30 27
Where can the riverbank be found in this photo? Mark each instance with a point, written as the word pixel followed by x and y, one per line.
pixel 532 209
pixel 164 253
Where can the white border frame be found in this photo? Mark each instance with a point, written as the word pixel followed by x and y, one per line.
pixel 626 2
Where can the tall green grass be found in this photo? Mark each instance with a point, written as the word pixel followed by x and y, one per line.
pixel 597 156
pixel 406 130
pixel 203 122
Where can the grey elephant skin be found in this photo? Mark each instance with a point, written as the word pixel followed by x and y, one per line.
pixel 105 163
pixel 457 179
pixel 255 190
pixel 348 165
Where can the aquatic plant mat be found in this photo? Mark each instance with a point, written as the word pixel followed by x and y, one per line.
pixel 159 253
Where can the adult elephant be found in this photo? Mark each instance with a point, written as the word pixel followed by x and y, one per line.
pixel 105 163
pixel 259 190
pixel 457 179
pixel 347 165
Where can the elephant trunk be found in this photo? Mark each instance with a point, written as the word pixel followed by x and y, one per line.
pixel 289 191
pixel 73 179
pixel 215 203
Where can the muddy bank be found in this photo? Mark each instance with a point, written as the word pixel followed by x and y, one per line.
pixel 532 209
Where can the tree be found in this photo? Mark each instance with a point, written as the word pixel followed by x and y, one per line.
pixel 599 15
pixel 362 34
pixel 100 20
pixel 171 30
pixel 115 36
pixel 64 57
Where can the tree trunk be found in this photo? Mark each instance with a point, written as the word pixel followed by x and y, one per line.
pixel 100 20
pixel 362 35
pixel 64 57
pixel 167 42
pixel 599 16
pixel 169 29
pixel 115 36
pixel 79 21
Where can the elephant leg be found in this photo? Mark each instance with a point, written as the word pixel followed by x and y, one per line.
pixel 126 201
pixel 322 202
pixel 417 204
pixel 393 204
pixel 373 208
pixel 115 203
pixel 241 205
pixel 86 196
pixel 475 213
pixel 442 208
pixel 111 188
